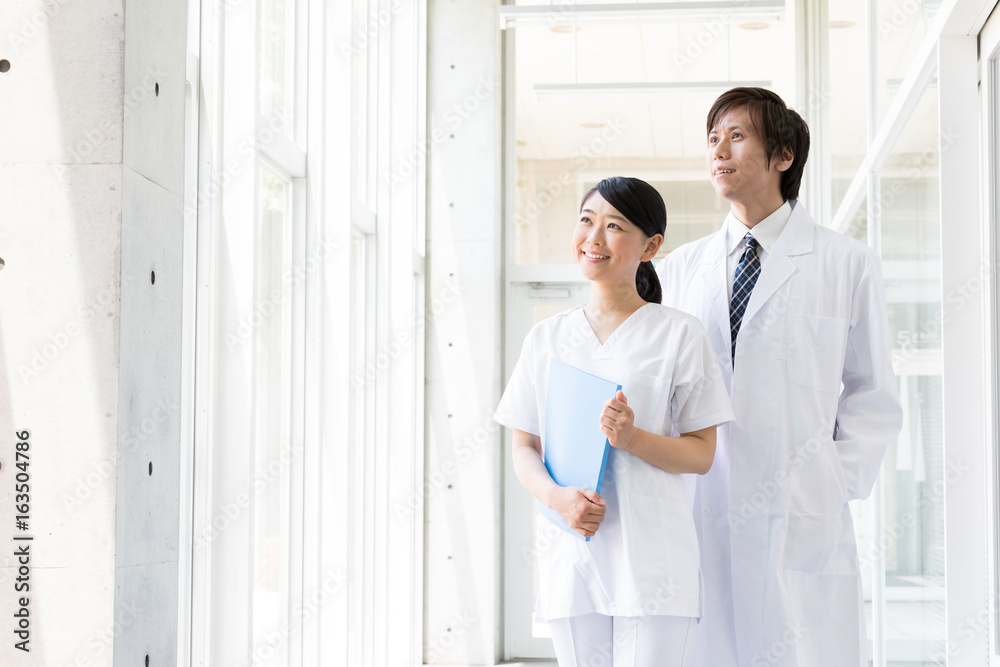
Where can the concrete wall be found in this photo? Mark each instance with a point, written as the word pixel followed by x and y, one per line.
pixel 463 550
pixel 77 300
pixel 151 326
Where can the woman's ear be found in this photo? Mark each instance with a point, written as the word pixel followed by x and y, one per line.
pixel 653 244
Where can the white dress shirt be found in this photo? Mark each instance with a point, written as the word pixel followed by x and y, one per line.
pixel 766 232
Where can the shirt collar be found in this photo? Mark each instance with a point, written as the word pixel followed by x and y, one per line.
pixel 766 231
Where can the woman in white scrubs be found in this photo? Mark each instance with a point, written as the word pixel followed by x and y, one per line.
pixel 627 597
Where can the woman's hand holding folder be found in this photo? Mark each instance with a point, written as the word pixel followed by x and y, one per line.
pixel 582 509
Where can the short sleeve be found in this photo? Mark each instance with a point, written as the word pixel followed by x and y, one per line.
pixel 518 406
pixel 699 398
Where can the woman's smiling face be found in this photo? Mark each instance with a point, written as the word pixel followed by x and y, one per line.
pixel 608 247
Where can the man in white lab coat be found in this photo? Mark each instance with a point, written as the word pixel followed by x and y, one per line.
pixel 797 317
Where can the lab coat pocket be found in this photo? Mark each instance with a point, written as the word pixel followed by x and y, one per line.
pixel 663 543
pixel 810 541
pixel 646 395
pixel 816 351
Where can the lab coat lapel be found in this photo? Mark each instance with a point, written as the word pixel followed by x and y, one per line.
pixel 713 266
pixel 795 239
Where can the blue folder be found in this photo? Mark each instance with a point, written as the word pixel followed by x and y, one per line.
pixel 576 451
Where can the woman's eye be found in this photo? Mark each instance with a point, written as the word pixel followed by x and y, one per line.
pixel 584 221
pixel 736 134
pixel 612 225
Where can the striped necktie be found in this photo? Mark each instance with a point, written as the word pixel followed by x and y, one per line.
pixel 746 277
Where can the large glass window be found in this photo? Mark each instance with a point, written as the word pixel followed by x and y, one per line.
pixel 913 471
pixel 277 63
pixel 900 31
pixel 848 95
pixel 272 413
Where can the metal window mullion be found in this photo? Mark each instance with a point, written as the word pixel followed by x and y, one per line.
pixel 892 124
pixel 874 213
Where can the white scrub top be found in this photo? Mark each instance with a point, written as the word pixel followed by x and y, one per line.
pixel 644 558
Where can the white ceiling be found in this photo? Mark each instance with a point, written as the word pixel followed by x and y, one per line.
pixel 674 128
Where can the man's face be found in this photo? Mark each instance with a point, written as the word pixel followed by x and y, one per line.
pixel 737 162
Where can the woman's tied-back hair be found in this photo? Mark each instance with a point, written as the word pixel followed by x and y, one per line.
pixel 778 126
pixel 643 206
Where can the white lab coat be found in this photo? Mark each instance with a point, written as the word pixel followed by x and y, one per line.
pixel 816 406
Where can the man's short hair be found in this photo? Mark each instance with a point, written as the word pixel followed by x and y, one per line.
pixel 778 126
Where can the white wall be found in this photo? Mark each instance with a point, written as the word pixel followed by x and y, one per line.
pixel 463 373
pixel 83 329
pixel 60 237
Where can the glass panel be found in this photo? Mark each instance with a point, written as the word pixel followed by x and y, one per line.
pixel 567 143
pixel 902 25
pixel 276 82
pixel 847 97
pixel 272 447
pixel 913 472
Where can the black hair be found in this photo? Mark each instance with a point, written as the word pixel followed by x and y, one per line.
pixel 643 206
pixel 780 129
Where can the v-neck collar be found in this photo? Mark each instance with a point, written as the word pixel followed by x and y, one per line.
pixel 603 347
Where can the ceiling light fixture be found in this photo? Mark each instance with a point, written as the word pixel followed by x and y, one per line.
pixel 754 25
pixel 841 24
pixel 551 92
pixel 517 16
pixel 564 29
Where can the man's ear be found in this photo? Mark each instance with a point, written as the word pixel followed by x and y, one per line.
pixel 787 158
pixel 653 244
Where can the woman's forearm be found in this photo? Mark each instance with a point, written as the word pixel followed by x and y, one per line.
pixel 530 469
pixel 690 453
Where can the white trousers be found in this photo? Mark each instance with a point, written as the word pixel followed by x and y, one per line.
pixel 596 640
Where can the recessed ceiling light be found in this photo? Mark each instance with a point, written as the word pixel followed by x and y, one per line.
pixel 755 25
pixel 592 126
pixel 565 29
pixel 839 25
pixel 522 143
